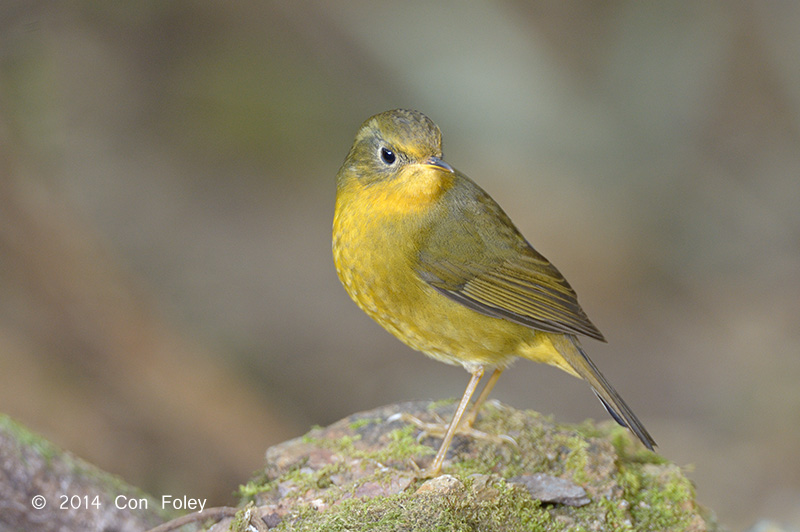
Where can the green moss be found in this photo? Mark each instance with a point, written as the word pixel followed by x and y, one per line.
pixel 478 465
pixel 247 491
pixel 654 498
pixel 663 504
pixel 343 445
pixel 577 459
pixel 301 479
pixel 241 522
pixel 436 405
pixel 364 422
pixel 305 479
pixel 29 440
pixel 630 450
pixel 308 438
pixel 463 510
pixel 630 488
pixel 657 495
pixel 401 445
pixel 61 466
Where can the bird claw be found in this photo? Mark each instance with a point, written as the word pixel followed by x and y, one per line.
pixel 439 428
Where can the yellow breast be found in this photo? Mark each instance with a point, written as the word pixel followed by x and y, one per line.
pixel 376 232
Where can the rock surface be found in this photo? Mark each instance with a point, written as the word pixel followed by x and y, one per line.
pixel 46 489
pixel 361 473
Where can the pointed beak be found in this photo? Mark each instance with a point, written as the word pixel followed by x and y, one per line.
pixel 438 163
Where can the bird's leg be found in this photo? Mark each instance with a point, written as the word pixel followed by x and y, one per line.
pixel 473 413
pixel 436 466
pixel 460 424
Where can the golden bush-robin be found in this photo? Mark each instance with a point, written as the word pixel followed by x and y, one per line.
pixel 431 257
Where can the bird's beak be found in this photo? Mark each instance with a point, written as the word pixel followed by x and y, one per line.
pixel 438 163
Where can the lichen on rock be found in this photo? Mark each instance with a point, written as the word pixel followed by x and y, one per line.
pixel 362 473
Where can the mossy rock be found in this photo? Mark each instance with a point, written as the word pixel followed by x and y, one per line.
pixel 361 474
pixel 46 489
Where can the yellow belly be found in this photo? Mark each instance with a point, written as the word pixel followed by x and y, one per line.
pixel 375 263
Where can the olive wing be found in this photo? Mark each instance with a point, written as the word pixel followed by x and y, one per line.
pixel 482 261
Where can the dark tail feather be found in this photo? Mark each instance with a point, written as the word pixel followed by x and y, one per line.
pixel 611 400
pixel 611 411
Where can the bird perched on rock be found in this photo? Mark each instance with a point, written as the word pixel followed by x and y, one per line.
pixel 431 257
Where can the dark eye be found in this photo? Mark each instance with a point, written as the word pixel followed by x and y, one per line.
pixel 388 156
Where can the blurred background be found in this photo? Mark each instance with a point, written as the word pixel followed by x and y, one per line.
pixel 168 302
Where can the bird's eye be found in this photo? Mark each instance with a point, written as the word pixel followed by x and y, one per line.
pixel 388 156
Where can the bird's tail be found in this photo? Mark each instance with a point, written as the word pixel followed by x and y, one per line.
pixel 571 350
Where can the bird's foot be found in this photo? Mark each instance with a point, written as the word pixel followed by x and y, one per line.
pixel 438 429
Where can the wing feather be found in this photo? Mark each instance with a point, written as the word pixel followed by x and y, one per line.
pixel 479 259
pixel 521 294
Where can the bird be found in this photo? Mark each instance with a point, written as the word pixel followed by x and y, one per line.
pixel 430 256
